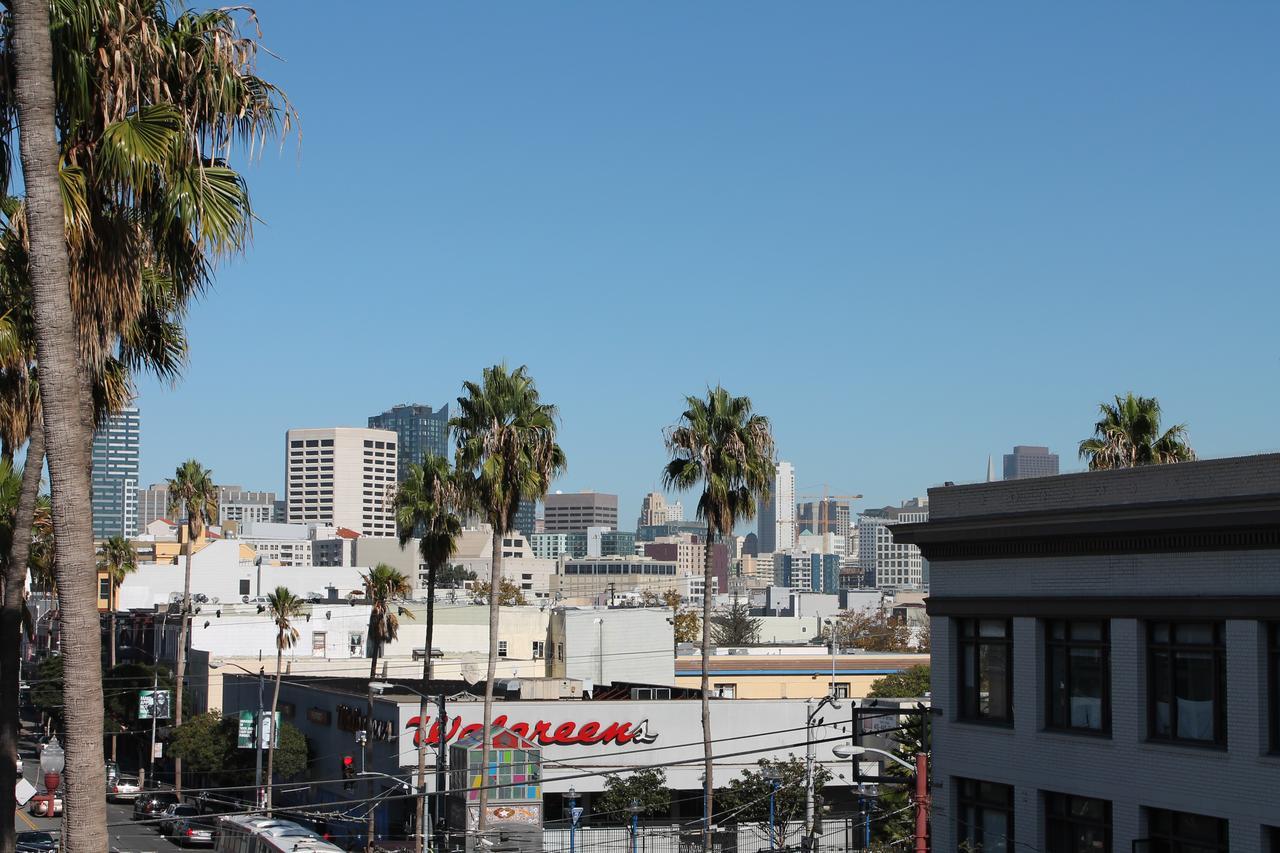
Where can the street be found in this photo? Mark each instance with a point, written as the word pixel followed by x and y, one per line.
pixel 125 835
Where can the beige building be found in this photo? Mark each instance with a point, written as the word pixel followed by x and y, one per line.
pixel 344 476
pixel 791 676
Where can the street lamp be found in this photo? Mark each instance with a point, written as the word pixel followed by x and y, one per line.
pixel 809 759
pixel 634 808
pixel 921 772
pixel 573 815
pixel 380 687
pixel 774 778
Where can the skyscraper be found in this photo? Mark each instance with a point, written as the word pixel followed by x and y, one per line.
pixel 574 512
pixel 653 510
pixel 1030 461
pixel 419 431
pixel 777 516
pixel 526 517
pixel 115 475
pixel 344 476
pixel 826 516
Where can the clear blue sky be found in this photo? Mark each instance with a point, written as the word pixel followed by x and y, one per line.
pixel 914 234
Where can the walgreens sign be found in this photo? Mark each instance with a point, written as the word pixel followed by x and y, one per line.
pixel 542 732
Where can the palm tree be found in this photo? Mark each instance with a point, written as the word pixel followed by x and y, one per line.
pixel 124 164
pixel 191 491
pixel 284 607
pixel 506 444
pixel 427 504
pixel 383 586
pixel 1128 435
pixel 719 444
pixel 118 559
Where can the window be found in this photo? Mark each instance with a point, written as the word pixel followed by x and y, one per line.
pixel 1183 832
pixel 317 644
pixel 538 647
pixel 244 587
pixel 502 648
pixel 726 691
pixel 104 589
pixel 1186 676
pixel 1273 680
pixel 841 689
pixel 1076 824
pixel 986 815
pixel 986 671
pixel 1078 676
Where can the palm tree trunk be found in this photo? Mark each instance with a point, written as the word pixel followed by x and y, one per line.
pixel 420 843
pixel 495 582
pixel 180 677
pixel 67 399
pixel 368 742
pixel 275 702
pixel 15 578
pixel 708 784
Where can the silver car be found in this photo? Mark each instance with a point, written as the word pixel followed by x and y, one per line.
pixel 193 832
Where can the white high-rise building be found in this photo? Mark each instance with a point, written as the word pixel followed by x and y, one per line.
pixel 883 562
pixel 777 516
pixel 344 476
pixel 675 512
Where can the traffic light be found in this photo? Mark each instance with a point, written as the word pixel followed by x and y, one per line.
pixel 348 773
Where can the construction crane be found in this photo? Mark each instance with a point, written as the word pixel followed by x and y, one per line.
pixel 826 497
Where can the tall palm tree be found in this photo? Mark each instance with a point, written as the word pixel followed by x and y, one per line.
pixel 721 445
pixel 427 505
pixel 118 559
pixel 506 445
pixel 284 607
pixel 191 491
pixel 383 587
pixel 127 120
pixel 1128 435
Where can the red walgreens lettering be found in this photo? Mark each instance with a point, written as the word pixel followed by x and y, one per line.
pixel 545 733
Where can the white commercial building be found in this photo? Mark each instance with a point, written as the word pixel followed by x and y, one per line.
pixel 777 516
pixel 344 476
pixel 883 562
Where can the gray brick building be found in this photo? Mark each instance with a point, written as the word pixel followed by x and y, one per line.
pixel 1106 657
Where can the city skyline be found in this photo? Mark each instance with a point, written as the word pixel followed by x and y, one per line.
pixel 1130 159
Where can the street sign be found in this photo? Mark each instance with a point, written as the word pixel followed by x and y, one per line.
pixel 157 751
pixel 575 815
pixel 244 733
pixel 153 704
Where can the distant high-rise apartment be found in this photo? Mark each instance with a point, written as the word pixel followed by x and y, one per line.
pixel 420 430
pixel 526 517
pixel 344 476
pixel 825 516
pixel 235 504
pixel 115 475
pixel 884 563
pixel 1030 461
pixel 572 512
pixel 777 516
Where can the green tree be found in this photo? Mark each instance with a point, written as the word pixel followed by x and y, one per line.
pixel 123 683
pixel 452 577
pixel 427 503
pixel 746 799
pixel 127 122
pixel 383 587
pixel 735 626
pixel 509 593
pixel 1128 435
pixel 208 744
pixel 647 787
pixel 888 812
pixel 720 445
pixel 46 690
pixel 684 620
pixel 284 607
pixel 507 450
pixel 907 684
pixel 191 491
pixel 872 631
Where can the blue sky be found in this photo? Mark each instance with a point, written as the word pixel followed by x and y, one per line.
pixel 913 234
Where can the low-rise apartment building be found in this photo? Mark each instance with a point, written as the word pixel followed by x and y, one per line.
pixel 1106 659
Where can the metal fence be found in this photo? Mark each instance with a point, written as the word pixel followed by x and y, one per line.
pixel 838 835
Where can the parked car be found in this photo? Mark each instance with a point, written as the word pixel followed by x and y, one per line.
pixel 35 842
pixel 194 832
pixel 152 803
pixel 123 790
pixel 171 816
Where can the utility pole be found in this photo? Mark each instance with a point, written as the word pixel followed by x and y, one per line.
pixel 257 730
pixel 442 766
pixel 155 685
pixel 808 772
pixel 922 802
